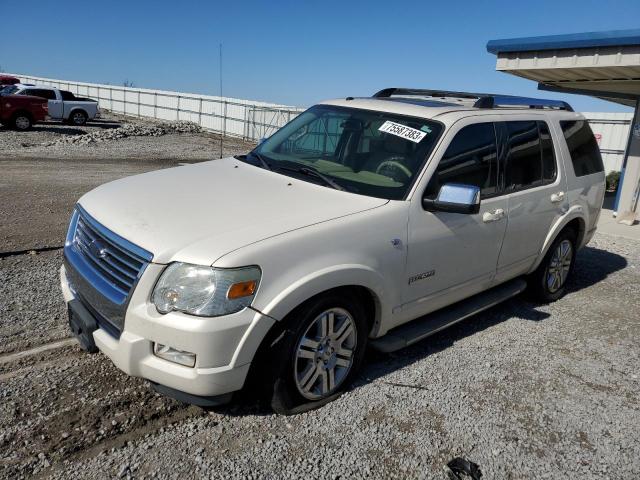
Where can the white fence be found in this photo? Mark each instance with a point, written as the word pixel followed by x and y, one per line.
pixel 247 119
pixel 253 120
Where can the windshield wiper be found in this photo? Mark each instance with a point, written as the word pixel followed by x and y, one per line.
pixel 312 172
pixel 262 160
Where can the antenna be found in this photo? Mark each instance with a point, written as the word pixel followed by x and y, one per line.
pixel 223 113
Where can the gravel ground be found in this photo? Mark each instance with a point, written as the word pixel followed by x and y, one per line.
pixel 525 391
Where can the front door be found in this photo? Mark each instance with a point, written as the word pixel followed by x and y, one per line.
pixel 451 255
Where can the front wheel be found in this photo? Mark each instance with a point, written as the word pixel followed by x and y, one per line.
pixel 22 122
pixel 319 353
pixel 548 283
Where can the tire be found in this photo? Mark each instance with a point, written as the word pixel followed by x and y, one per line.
pixel 78 118
pixel 310 367
pixel 548 283
pixel 21 121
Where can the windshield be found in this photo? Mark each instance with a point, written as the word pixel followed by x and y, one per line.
pixel 366 152
pixel 9 90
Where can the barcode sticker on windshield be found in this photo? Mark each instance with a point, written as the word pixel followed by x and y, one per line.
pixel 402 131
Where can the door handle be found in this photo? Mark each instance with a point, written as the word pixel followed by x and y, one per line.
pixel 557 197
pixel 494 216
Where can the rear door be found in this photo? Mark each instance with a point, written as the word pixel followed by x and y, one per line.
pixel 535 189
pixel 56 106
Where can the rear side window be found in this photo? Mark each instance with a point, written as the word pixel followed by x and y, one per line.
pixel 583 148
pixel 524 163
pixel 470 159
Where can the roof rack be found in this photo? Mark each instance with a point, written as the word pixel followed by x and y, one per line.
pixel 481 100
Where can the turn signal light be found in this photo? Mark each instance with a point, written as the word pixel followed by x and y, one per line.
pixel 242 289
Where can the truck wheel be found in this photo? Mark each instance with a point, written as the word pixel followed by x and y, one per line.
pixel 319 353
pixel 78 118
pixel 548 283
pixel 21 121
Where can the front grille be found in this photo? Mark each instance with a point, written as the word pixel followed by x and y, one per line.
pixel 103 267
pixel 114 263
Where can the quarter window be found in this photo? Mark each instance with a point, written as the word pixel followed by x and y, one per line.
pixel 583 148
pixel 470 159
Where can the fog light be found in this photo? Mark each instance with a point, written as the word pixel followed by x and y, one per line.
pixel 174 355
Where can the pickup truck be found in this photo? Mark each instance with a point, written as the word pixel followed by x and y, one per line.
pixel 21 112
pixel 364 222
pixel 8 80
pixel 63 105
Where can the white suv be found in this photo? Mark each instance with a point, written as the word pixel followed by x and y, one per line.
pixel 363 222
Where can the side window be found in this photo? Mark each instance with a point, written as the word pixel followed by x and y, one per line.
pixel 583 148
pixel 549 169
pixel 40 92
pixel 471 159
pixel 66 95
pixel 524 162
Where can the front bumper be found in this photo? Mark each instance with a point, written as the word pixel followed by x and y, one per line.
pixel 224 346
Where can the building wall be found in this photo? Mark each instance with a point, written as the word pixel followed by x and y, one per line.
pixel 612 132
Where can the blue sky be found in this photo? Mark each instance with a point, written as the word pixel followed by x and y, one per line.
pixel 292 52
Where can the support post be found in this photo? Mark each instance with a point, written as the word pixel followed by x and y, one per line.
pixel 629 194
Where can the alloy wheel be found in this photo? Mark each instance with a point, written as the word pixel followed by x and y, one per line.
pixel 559 266
pixel 325 354
pixel 78 118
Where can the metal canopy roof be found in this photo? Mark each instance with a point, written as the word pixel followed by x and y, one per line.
pixel 601 64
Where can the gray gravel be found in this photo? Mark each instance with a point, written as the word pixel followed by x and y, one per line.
pixel 525 391
pixel 32 311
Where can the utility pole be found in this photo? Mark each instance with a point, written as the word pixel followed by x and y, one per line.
pixel 222 122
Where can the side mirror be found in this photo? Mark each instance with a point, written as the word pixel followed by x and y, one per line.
pixel 454 198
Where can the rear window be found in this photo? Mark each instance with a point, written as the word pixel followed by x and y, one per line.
pixel 583 148
pixel 67 95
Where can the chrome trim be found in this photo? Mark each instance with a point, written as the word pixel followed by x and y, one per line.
pixel 103 266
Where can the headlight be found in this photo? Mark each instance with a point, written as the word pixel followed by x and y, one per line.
pixel 205 291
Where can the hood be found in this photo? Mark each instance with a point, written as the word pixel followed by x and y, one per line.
pixel 198 213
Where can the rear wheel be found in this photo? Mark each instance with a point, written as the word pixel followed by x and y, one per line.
pixel 78 118
pixel 319 353
pixel 21 121
pixel 548 282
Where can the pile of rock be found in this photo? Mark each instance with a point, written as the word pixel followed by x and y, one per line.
pixel 128 130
